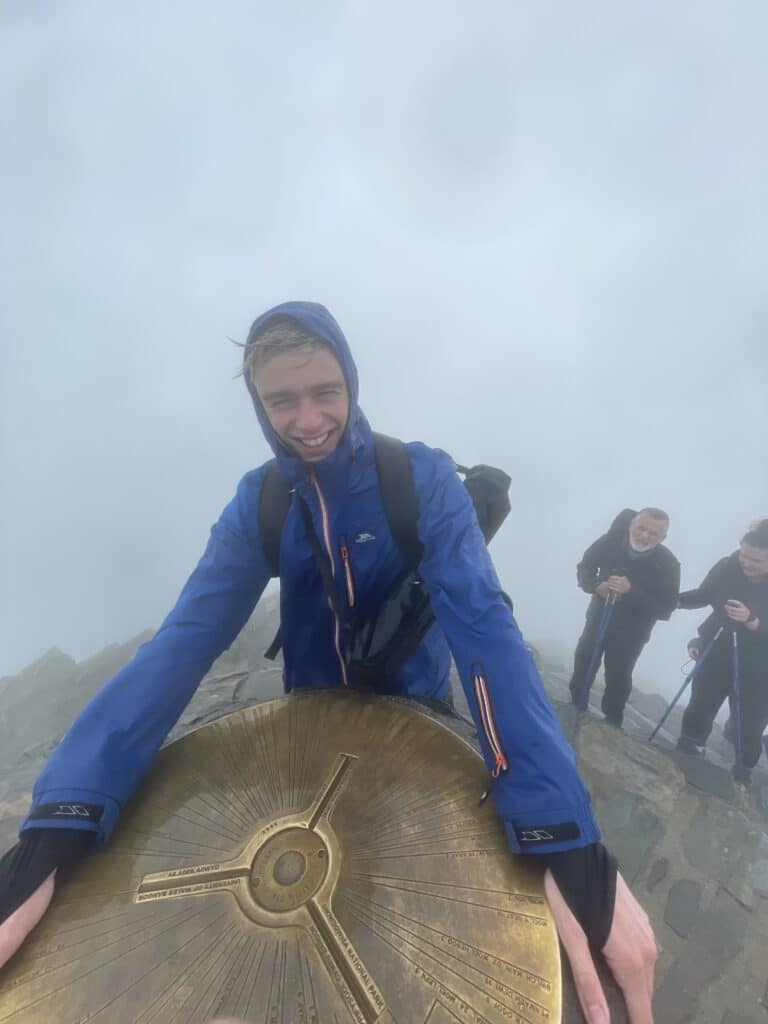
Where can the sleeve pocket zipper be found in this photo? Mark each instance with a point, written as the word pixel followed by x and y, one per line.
pixel 489 726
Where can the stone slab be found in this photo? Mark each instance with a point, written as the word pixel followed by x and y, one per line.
pixel 683 906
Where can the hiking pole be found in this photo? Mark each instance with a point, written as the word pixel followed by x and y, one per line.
pixel 737 701
pixel 589 677
pixel 688 679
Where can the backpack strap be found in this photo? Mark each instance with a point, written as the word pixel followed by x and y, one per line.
pixel 399 496
pixel 274 502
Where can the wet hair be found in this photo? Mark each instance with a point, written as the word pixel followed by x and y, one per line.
pixel 654 513
pixel 757 534
pixel 279 334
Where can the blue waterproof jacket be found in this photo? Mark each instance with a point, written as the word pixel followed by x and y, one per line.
pixel 537 790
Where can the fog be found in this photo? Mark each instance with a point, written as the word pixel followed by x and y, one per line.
pixel 542 228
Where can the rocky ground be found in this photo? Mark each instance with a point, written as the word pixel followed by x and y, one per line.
pixel 693 848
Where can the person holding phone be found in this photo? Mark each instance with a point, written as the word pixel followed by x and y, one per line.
pixel 736 588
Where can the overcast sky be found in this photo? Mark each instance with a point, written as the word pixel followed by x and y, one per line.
pixel 542 227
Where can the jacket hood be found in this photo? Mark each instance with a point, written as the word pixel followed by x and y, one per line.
pixel 316 319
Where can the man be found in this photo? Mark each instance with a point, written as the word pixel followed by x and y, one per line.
pixel 304 387
pixel 630 568
pixel 737 590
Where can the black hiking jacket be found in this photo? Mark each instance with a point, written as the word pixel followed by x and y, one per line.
pixel 726 581
pixel 654 577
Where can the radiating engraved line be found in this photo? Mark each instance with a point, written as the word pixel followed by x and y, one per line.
pixel 241 1002
pixel 343 764
pixel 105 963
pixel 221 804
pixel 253 733
pixel 486 850
pixel 233 770
pixel 272 982
pixel 266 767
pixel 514 914
pixel 138 928
pixel 175 840
pixel 159 1003
pixel 383 879
pixel 444 816
pixel 216 971
pixel 276 755
pixel 256 979
pixel 226 757
pixel 385 913
pixel 193 985
pixel 216 940
pixel 258 810
pixel 401 817
pixel 365 1003
pixel 308 964
pixel 432 841
pixel 371 924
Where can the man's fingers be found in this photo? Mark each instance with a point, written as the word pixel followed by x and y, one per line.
pixel 15 929
pixel 588 987
pixel 631 954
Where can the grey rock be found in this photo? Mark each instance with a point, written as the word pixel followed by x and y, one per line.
pixel 682 906
pixel 714 941
pixel 758 876
pixel 616 813
pixel 715 840
pixel 658 872
pixel 703 775
pixel 633 844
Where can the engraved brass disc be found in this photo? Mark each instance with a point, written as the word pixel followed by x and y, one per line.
pixel 320 858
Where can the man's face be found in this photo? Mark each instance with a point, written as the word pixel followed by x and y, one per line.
pixel 304 395
pixel 753 561
pixel 646 532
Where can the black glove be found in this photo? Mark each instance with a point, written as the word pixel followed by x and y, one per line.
pixel 40 851
pixel 586 877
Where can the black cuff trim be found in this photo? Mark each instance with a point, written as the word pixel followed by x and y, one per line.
pixel 532 835
pixel 68 812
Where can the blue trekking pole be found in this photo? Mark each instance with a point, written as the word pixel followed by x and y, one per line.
pixel 737 701
pixel 688 679
pixel 597 653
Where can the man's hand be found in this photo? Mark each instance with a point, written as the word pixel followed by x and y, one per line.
pixel 15 929
pixel 736 611
pixel 630 952
pixel 602 589
pixel 619 584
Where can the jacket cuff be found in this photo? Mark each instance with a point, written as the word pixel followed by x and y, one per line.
pixel 75 809
pixel 553 832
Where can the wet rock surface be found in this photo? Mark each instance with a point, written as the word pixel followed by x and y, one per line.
pixel 693 847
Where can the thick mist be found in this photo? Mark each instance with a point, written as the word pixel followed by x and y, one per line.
pixel 543 230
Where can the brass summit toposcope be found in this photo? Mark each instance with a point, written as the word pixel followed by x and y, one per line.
pixel 319 858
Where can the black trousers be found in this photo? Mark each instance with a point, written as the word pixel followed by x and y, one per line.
pixel 712 686
pixel 619 656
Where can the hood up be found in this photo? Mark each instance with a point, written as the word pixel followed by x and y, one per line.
pixel 316 319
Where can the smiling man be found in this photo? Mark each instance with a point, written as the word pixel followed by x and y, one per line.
pixel 629 566
pixel 303 383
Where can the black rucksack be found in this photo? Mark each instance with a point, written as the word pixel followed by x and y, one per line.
pixel 379 644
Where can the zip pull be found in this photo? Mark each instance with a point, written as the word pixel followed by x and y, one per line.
pixel 348 578
pixel 500 767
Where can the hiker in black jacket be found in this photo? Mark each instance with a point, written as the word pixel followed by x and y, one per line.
pixel 630 562
pixel 737 589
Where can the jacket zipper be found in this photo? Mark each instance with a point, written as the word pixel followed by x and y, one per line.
pixel 489 725
pixel 329 551
pixel 348 577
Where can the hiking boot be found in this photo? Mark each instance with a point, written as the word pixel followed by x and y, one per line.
pixel 688 746
pixel 741 777
pixel 614 720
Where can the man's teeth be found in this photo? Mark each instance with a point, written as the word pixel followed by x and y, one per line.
pixel 315 442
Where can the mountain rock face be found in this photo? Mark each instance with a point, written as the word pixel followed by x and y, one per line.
pixel 693 848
